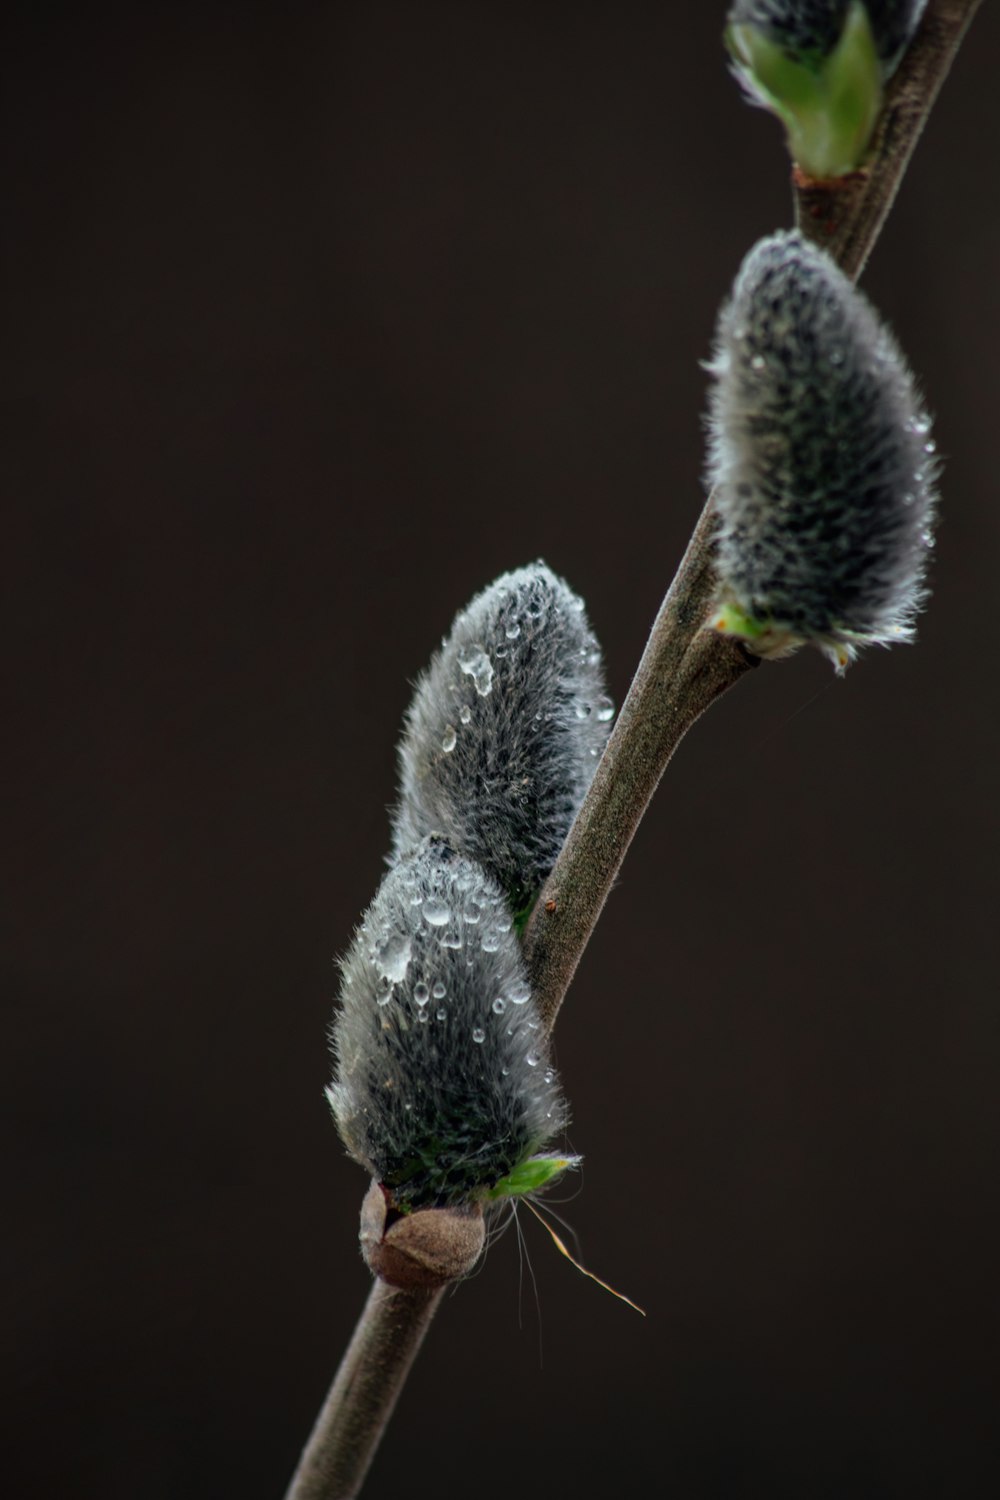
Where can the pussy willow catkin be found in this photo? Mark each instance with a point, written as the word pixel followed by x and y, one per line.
pixel 443 1084
pixel 820 460
pixel 504 732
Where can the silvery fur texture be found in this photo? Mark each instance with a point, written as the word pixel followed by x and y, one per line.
pixel 442 1084
pixel 504 732
pixel 814 27
pixel 819 456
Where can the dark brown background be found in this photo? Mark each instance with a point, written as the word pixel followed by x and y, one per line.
pixel 319 317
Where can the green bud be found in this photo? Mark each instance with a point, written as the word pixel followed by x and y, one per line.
pixel 828 102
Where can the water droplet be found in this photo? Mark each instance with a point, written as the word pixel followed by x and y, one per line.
pixel 479 1035
pixel 531 1058
pixel 505 1071
pixel 435 912
pixel 930 447
pixel 449 739
pixel 499 1005
pixel 583 710
pixel 757 363
pixel 605 708
pixel 392 956
pixel 512 630
pixel 549 1075
pixel 465 714
pixel 500 651
pixel 423 1015
pixel 440 989
pixel 476 664
pixel 421 994
pixel 442 1014
pixel 490 942
pixel 472 913
pixel 384 992
pixel 518 992
pixel 451 939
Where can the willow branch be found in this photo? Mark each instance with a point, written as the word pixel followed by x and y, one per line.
pixel 683 669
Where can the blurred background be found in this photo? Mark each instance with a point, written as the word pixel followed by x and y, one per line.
pixel 317 318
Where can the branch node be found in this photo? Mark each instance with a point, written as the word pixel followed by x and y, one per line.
pixel 427 1249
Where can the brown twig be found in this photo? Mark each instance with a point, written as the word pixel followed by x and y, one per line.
pixel 362 1397
pixel 683 669
pixel 413 1258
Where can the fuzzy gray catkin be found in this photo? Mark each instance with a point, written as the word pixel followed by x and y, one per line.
pixel 442 1080
pixel 505 730
pixel 820 461
pixel 813 27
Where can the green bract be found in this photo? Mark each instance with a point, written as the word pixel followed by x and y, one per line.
pixel 531 1176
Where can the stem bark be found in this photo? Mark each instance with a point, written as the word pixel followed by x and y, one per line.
pixel 363 1395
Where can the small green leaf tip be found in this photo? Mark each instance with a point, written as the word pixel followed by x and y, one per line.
pixel 531 1176
pixel 820 461
pixel 827 98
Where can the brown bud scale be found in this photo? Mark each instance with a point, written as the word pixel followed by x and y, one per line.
pixel 427 1248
